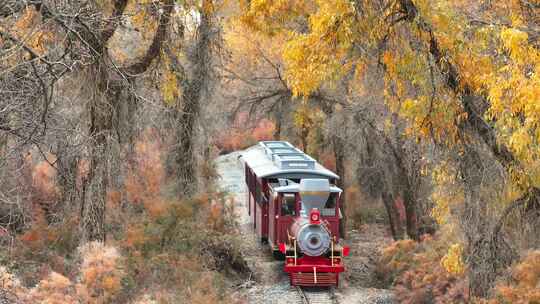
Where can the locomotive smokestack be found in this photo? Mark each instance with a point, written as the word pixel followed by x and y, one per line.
pixel 314 194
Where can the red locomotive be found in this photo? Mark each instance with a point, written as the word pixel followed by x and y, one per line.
pixel 294 207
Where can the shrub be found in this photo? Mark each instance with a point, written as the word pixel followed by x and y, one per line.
pixel 101 272
pixel 9 282
pixel 55 289
pixel 160 247
pixel 417 274
pixel 524 286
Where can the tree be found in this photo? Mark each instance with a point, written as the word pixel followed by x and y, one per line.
pixel 187 84
pixel 457 75
pixel 252 75
pixel 111 86
pixel 86 45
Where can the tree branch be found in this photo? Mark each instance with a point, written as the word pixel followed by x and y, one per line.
pixel 155 47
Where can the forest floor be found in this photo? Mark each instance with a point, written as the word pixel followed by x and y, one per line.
pixel 269 284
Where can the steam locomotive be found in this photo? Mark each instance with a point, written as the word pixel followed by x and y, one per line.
pixel 294 208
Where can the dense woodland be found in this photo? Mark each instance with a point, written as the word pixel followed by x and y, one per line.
pixel 112 112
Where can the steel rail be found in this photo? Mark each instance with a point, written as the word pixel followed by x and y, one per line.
pixel 318 296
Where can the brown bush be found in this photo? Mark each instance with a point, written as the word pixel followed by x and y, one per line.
pixel 524 286
pixel 101 271
pixel 55 289
pixel 98 280
pixel 157 243
pixel 417 276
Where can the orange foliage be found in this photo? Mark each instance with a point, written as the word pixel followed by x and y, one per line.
pixel 216 216
pixel 43 181
pixel 29 28
pixel 418 276
pixel 55 289
pixel 264 130
pixel 101 272
pixel 241 135
pixel 524 287
pixel 99 280
pixel 45 192
pixel 135 236
pixel 146 175
pixel 37 236
pixel 328 160
pixel 113 198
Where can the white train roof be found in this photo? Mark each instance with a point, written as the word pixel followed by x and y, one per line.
pixel 280 159
pixel 295 188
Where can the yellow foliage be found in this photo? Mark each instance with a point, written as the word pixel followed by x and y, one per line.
pixel 514 40
pixel 269 16
pixel 170 88
pixel 452 261
pixel 320 55
pixel 514 93
pixel 141 17
pixel 447 195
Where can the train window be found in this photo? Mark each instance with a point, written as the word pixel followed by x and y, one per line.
pixel 330 206
pixel 288 205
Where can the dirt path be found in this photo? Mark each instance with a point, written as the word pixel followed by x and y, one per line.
pixel 269 284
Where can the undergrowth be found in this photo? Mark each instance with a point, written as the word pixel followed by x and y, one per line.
pixel 432 271
pixel 415 272
pixel 159 249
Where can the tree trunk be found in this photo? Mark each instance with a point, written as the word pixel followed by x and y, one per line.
pixel 110 90
pixel 93 198
pixel 277 122
pixel 194 88
pixel 95 184
pixel 411 216
pixel 67 165
pixel 396 226
pixel 184 156
pixel 485 258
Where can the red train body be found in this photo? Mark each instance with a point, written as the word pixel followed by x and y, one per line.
pixel 294 207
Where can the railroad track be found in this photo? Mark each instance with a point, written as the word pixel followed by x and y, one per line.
pixel 316 296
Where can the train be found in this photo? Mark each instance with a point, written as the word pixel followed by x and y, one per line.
pixel 293 204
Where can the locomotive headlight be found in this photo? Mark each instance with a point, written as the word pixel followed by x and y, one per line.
pixel 337 260
pixel 290 261
pixel 315 216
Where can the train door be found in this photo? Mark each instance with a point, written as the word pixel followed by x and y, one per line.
pixel 288 210
pixel 273 211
